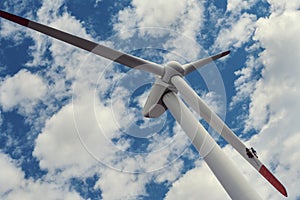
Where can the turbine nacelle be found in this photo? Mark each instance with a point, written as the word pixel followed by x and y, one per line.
pixel 154 106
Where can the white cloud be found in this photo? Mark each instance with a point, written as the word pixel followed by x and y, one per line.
pixel 119 185
pixel 279 7
pixel 186 16
pixel 245 83
pixel 23 90
pixel 49 10
pixel 1 119
pixel 198 183
pixel 274 105
pixel 178 29
pixel 11 31
pixel 156 13
pixel 170 173
pixel 236 6
pixel 277 94
pixel 79 134
pixel 13 185
pixel 279 82
pixel 214 101
pixel 274 100
pixel 49 14
pixel 181 25
pixel 237 34
pixel 10 176
pixel 58 147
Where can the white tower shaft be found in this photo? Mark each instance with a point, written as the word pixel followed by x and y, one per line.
pixel 228 175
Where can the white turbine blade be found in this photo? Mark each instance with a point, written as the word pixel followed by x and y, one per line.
pixel 223 168
pixel 191 97
pixel 114 55
pixel 190 67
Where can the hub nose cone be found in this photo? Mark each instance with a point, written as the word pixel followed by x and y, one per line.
pixel 174 64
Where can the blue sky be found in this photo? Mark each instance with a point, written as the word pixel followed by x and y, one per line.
pixel 71 122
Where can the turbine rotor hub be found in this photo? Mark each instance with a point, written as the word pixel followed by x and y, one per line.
pixel 172 68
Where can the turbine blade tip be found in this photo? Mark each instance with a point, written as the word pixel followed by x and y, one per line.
pixel 226 53
pixel 273 180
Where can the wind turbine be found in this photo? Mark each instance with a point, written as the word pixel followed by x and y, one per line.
pixel 163 96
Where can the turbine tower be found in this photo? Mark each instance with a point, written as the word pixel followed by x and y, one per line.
pixel 163 96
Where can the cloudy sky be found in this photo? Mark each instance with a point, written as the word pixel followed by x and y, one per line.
pixel 71 122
